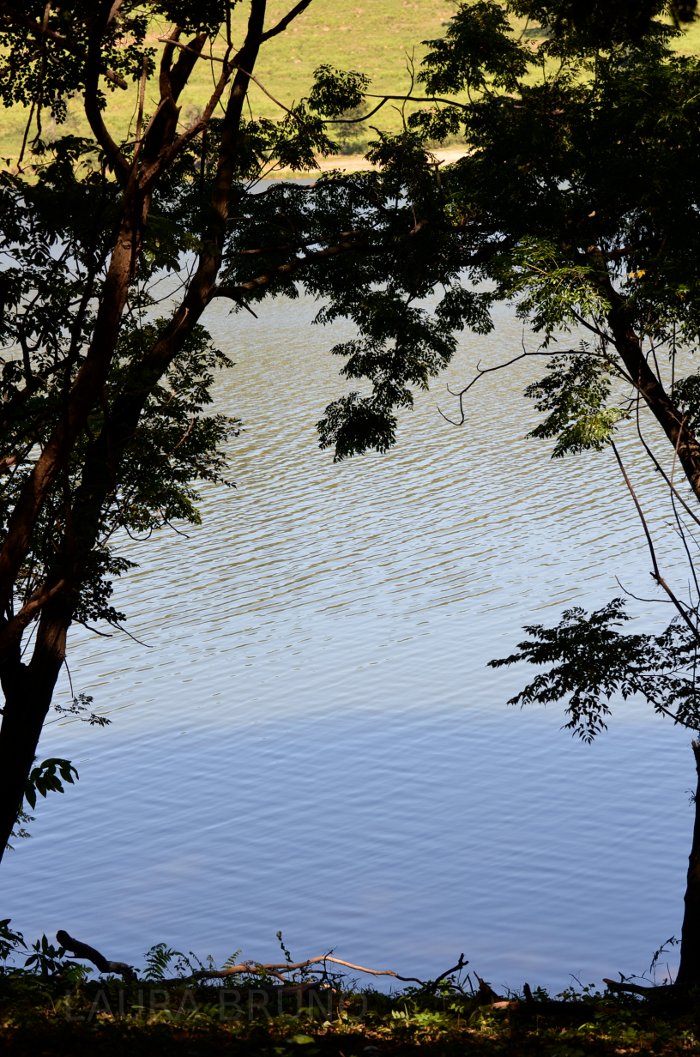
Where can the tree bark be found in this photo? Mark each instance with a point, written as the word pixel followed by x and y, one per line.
pixel 689 969
pixel 28 690
pixel 649 386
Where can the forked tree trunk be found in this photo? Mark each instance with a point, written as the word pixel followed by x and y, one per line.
pixel 689 969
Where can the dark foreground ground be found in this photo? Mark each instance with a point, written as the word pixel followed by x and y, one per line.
pixel 105 1018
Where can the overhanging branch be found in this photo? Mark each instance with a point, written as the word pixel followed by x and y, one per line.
pixel 239 291
pixel 284 22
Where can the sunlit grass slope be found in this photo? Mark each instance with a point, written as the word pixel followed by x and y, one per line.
pixel 376 36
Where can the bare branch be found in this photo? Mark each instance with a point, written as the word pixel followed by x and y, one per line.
pixel 284 22
pixel 482 371
pixel 681 607
pixel 408 98
pixel 266 92
pixel 279 969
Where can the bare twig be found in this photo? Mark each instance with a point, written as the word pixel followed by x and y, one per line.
pixel 680 607
pixel 482 371
pixel 279 969
pixel 449 972
pixel 284 22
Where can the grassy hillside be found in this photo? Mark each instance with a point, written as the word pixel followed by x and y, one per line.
pixel 370 35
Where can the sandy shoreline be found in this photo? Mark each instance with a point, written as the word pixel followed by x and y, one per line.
pixel 357 162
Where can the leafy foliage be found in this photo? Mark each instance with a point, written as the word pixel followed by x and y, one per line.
pixel 46 959
pixel 80 707
pixel 589 662
pixel 335 92
pixel 158 958
pixel 574 392
pixel 48 777
pixel 477 50
pixel 595 24
pixel 9 939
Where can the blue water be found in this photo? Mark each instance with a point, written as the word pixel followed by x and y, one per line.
pixel 307 738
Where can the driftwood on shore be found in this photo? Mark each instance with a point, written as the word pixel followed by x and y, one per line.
pixel 317 973
pixel 277 970
pixel 83 950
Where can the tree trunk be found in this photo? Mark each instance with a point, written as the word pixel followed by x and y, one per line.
pixel 689 969
pixel 28 690
pixel 23 717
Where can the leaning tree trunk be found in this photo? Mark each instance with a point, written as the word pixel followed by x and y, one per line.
pixel 28 690
pixel 689 969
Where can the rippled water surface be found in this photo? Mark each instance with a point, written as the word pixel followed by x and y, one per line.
pixel 310 739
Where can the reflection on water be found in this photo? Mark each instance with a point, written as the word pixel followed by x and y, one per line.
pixel 310 740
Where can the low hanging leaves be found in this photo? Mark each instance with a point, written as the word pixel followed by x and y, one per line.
pixel 48 777
pixel 574 392
pixel 589 662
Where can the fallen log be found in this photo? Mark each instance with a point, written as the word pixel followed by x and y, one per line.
pixel 275 970
pixel 279 969
pixel 83 950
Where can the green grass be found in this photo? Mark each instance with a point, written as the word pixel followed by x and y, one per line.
pixel 689 42
pixel 375 36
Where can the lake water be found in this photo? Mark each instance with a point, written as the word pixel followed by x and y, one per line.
pixel 308 737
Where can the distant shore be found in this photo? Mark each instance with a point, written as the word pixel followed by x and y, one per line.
pixel 350 163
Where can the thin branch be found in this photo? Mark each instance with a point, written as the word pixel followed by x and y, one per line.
pixel 449 972
pixel 284 22
pixel 280 968
pixel 197 52
pixel 642 598
pixel 681 609
pixel 408 98
pixel 481 371
pixel 139 642
pixel 357 120
pixel 266 92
